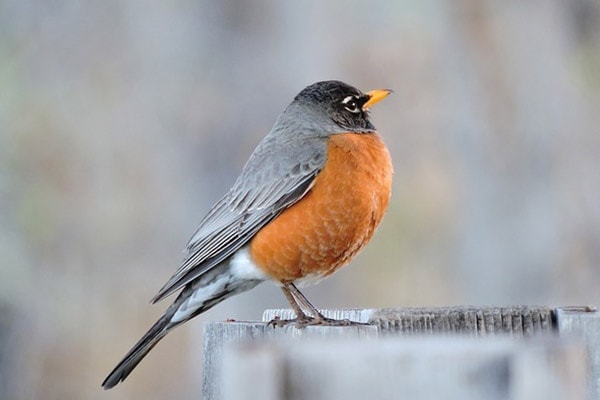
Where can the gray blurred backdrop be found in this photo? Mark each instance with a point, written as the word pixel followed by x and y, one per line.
pixel 121 122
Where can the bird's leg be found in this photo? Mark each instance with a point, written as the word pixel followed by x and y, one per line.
pixel 300 298
pixel 301 318
pixel 300 314
pixel 318 318
pixel 297 300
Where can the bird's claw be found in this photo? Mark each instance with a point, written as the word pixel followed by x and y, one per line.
pixel 303 322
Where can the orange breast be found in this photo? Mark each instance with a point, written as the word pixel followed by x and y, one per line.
pixel 335 219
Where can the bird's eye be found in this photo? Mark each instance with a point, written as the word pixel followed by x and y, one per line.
pixel 351 104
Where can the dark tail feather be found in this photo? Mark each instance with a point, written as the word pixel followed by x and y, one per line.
pixel 139 351
pixel 224 283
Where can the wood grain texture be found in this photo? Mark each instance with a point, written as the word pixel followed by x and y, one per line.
pixel 476 321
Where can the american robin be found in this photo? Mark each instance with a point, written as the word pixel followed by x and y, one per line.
pixel 307 201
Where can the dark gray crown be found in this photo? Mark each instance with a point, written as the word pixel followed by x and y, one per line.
pixel 328 97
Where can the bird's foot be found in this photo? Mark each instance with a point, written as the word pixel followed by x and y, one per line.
pixel 280 323
pixel 305 320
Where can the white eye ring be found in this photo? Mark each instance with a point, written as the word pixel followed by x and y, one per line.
pixel 350 104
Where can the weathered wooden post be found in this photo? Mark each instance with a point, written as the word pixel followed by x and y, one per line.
pixel 584 323
pixel 218 335
pixel 524 353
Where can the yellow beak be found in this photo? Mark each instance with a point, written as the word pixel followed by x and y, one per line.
pixel 375 96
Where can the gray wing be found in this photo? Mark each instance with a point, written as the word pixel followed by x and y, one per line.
pixel 277 175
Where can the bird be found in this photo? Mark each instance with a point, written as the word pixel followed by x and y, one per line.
pixel 307 201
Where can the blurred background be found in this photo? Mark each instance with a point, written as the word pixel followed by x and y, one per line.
pixel 122 122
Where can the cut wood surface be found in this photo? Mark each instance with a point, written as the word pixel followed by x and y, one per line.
pixel 479 321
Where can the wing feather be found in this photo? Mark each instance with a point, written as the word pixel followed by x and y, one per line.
pixel 258 196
